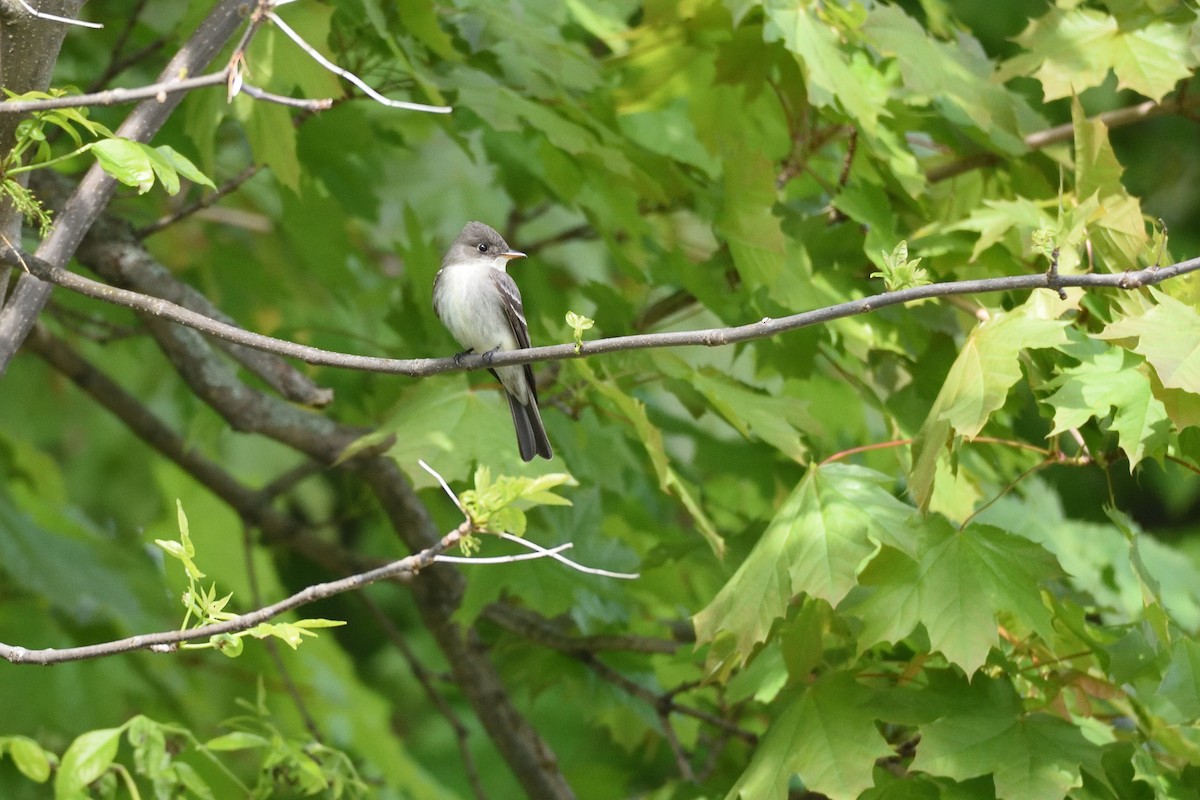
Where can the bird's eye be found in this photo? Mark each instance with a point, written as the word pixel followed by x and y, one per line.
pixel 482 247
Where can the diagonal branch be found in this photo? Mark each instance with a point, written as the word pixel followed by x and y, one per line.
pixel 404 569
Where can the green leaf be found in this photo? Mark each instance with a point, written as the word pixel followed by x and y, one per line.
pixel 88 757
pixel 651 438
pixel 237 740
pixel 821 537
pixel 835 78
pixel 978 384
pixel 129 162
pixel 1180 685
pixel 777 420
pixel 184 166
pixel 749 226
pixel 272 138
pixel 994 219
pixel 956 587
pixel 826 736
pixel 227 644
pixel 1111 378
pixel 956 76
pixel 1073 49
pixel 1118 228
pixel 1029 756
pixel 29 757
pixel 1168 335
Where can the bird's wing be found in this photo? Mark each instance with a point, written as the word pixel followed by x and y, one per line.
pixel 513 310
pixel 515 313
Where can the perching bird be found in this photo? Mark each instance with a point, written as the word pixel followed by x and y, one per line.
pixel 479 303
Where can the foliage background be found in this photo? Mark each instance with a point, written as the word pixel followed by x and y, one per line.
pixel 1003 607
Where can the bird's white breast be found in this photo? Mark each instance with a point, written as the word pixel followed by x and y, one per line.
pixel 469 305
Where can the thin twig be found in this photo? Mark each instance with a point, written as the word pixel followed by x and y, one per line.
pixel 503 559
pixel 350 76
pixel 318 104
pixel 55 18
pixel 553 553
pixel 116 97
pixel 445 486
pixel 681 757
pixel 642 693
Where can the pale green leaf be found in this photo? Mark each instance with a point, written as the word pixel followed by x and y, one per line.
pixel 996 219
pixel 183 165
pixel 237 740
pixel 1168 335
pixel 129 162
pixel 1073 49
pixel 29 757
pixel 87 758
pixel 777 420
pixel 821 537
pixel 978 384
pixel 651 438
pixel 954 76
pixel 1180 685
pixel 1108 379
pixel 835 78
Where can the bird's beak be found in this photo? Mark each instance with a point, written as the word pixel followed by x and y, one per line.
pixel 511 254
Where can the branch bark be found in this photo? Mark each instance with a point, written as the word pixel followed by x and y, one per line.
pixel 159 309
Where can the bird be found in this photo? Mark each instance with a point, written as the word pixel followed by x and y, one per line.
pixel 479 303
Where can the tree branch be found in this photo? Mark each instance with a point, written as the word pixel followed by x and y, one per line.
pixel 1037 140
pixel 115 97
pixel 707 337
pixel 404 569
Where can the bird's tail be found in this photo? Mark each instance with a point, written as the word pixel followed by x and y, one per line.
pixel 531 435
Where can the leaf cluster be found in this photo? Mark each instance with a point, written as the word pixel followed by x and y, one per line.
pixel 940 551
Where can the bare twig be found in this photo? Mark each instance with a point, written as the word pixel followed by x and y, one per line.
pixel 503 559
pixel 350 76
pixel 318 104
pixel 681 757
pixel 93 192
pixel 1062 133
pixel 538 630
pixel 55 18
pixel 665 703
pixel 538 550
pixel 116 97
pixel 553 553
pixel 445 486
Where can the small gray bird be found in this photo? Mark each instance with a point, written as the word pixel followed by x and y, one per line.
pixel 480 305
